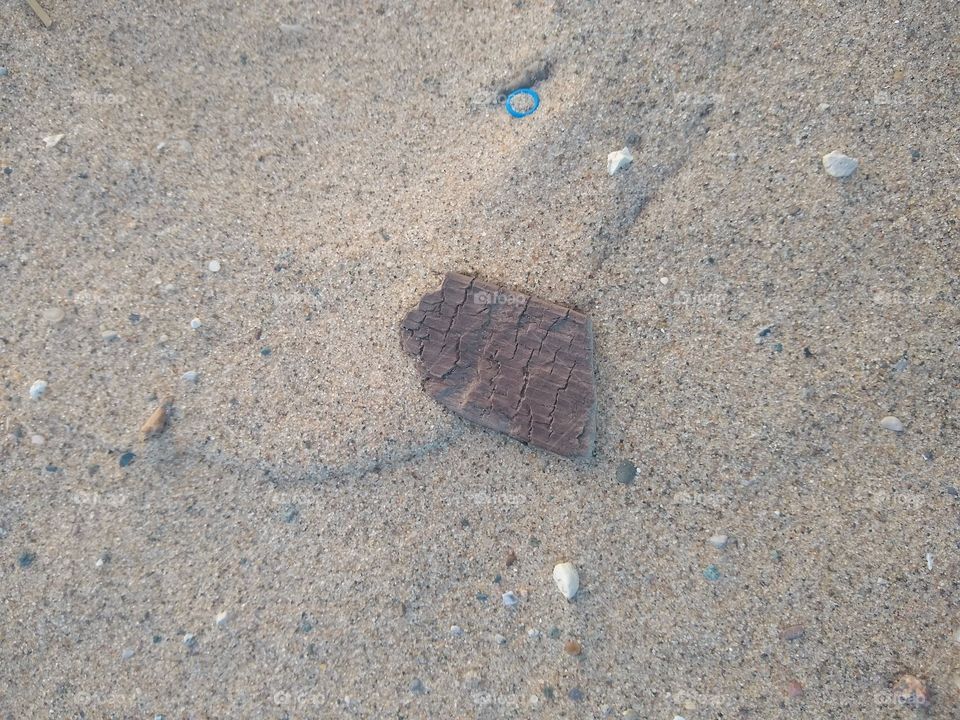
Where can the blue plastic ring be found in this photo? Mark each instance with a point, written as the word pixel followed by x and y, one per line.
pixel 522 91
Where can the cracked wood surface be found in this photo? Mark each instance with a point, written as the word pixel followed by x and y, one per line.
pixel 507 361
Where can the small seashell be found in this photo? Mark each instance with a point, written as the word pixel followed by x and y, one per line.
pixel 567 578
pixel 157 420
pixel 572 647
pixel 892 424
pixel 38 389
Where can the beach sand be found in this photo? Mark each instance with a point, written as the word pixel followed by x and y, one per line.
pixel 300 539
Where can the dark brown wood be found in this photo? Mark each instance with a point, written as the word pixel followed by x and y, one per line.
pixel 510 362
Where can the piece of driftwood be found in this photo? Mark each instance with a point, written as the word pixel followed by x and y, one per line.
pixel 510 362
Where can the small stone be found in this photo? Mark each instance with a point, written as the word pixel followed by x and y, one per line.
pixel 417 687
pixel 533 634
pixel 664 280
pixel 265 352
pixel 567 578
pixel 712 573
pixel 911 691
pixel 572 647
pixel 109 335
pixel 900 365
pixel 456 631
pixel 290 513
pixel 548 692
pixel 38 389
pixel 718 541
pixel 126 654
pixel 6 220
pixel 839 165
pixel 214 266
pixel 4 72
pixel 626 472
pixel 892 424
pixel 500 639
pixel 191 376
pixel 26 559
pixel 554 633
pixel 37 439
pixel 52 140
pixel 575 694
pixel 510 599
pixel 53 315
pixel 222 618
pixel 510 558
pixel 195 324
pixel 792 632
pixel 127 459
pixel 618 159
pixel 190 640
pixel 794 689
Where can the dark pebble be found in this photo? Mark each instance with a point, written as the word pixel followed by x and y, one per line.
pixel 626 472
pixel 4 72
pixel 127 458
pixel 712 573
pixel 497 579
pixel 52 468
pixel 26 559
pixel 305 625
pixel 792 632
pixel 265 351
pixel 482 597
pixel 914 155
pixel 134 318
pixel 928 455
pixel 807 352
pixel 554 633
pixel 157 639
pixel 778 347
pixel 575 694
pixel 290 513
pixel 953 492
pixel 548 692
pixel 7 170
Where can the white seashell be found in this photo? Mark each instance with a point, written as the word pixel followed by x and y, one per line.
pixel 891 423
pixel 839 165
pixel 38 389
pixel 567 578
pixel 618 159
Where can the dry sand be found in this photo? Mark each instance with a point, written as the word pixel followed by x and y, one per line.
pixel 336 160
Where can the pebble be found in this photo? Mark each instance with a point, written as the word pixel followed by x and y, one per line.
pixel 191 376
pixel 572 647
pixel 126 654
pixel 929 561
pixel 892 424
pixel 223 618
pixel 626 472
pixel 190 640
pixel 718 541
pixel 52 140
pixel 911 691
pixel 900 365
pixel 195 324
pixel 109 335
pixel 501 640
pixel 510 558
pixel 214 266
pixel 839 165
pixel 456 631
pixel 37 439
pixel 38 389
pixel 6 220
pixel 567 578
pixel 794 689
pixel 712 573
pixel 618 159
pixel 575 694
pixel 533 634
pixel 127 459
pixel 53 315
pixel 510 599
pixel 26 559
pixel 4 72
pixel 792 632
pixel 417 687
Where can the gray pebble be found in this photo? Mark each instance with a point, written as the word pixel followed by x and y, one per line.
pixel 900 365
pixel 510 599
pixel 626 472
pixel 4 72
pixel 456 631
pixel 126 654
pixel 417 687
pixel 501 640
pixel 191 376
pixel 109 335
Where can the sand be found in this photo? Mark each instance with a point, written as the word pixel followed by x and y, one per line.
pixel 300 538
